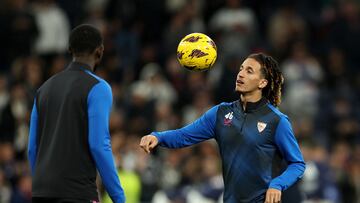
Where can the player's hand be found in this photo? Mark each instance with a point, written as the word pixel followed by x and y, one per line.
pixel 148 142
pixel 273 196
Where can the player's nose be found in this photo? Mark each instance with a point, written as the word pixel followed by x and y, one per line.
pixel 240 74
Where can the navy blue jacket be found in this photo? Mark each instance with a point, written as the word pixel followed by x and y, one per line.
pixel 257 147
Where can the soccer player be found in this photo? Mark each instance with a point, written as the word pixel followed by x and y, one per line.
pixel 253 136
pixel 69 133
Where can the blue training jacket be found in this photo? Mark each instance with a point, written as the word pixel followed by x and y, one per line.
pixel 69 137
pixel 257 147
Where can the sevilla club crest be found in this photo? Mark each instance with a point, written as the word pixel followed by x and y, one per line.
pixel 261 126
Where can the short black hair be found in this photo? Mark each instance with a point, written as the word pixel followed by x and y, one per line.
pixel 84 39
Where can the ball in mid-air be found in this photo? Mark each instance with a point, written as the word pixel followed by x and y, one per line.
pixel 197 52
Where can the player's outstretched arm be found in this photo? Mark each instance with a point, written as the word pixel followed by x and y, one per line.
pixel 201 129
pixel 148 143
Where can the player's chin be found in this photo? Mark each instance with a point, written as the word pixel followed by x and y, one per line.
pixel 239 89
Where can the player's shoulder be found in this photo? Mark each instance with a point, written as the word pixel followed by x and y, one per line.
pixel 50 80
pixel 227 104
pixel 100 90
pixel 96 77
pixel 101 81
pixel 277 112
pixel 225 107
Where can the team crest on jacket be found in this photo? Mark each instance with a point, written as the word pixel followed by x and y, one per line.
pixel 228 119
pixel 261 126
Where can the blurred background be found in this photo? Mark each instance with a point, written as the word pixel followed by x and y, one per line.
pixel 316 42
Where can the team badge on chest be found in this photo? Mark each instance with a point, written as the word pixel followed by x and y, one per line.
pixel 261 126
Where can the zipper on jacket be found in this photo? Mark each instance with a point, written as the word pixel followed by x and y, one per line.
pixel 242 125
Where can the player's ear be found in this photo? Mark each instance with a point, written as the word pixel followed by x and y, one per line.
pixel 99 52
pixel 100 48
pixel 263 83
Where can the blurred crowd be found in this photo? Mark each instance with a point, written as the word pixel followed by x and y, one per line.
pixel 315 41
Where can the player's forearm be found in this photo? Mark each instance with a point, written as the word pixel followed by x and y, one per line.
pixel 110 179
pixel 32 157
pixel 105 164
pixel 182 137
pixel 100 148
pixel 32 151
pixel 201 129
pixel 173 139
pixel 292 174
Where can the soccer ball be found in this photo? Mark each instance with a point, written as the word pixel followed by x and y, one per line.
pixel 196 52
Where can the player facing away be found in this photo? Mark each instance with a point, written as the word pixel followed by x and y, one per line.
pixel 69 133
pixel 255 139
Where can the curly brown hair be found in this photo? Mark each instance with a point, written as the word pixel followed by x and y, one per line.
pixel 271 72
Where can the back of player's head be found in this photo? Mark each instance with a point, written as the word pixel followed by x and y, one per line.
pixel 84 39
pixel 271 72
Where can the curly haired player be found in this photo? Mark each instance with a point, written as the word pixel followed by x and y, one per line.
pixel 254 137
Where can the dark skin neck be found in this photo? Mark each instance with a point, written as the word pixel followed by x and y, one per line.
pixel 88 60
